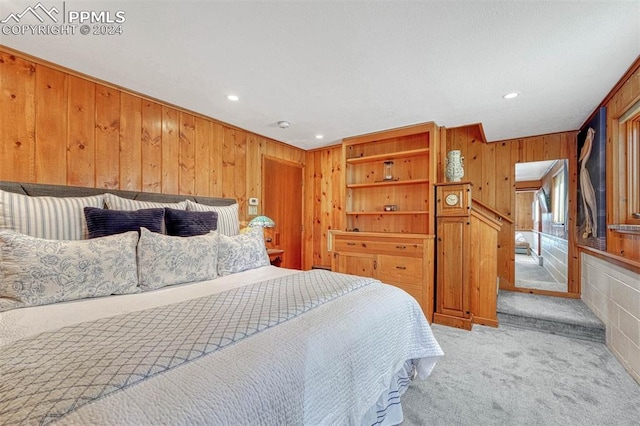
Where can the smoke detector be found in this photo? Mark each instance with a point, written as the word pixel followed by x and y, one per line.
pixel 283 124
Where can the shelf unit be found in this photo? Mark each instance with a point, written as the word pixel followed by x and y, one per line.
pixel 395 246
pixel 411 149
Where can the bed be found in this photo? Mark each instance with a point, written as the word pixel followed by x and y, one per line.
pixel 522 245
pixel 261 345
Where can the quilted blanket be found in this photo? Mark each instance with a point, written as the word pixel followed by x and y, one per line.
pixel 80 373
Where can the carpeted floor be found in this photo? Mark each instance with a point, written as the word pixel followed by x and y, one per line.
pixel 514 376
pixel 557 315
pixel 529 274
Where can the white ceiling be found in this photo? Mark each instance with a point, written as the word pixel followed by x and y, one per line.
pixel 533 170
pixel 351 67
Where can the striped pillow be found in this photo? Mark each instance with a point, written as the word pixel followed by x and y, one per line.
pixel 51 218
pixel 113 202
pixel 228 222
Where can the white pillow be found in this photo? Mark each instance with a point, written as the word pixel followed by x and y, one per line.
pixel 166 260
pixel 242 252
pixel 36 271
pixel 228 222
pixel 113 202
pixel 51 218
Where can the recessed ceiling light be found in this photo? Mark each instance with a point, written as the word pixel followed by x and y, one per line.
pixel 319 136
pixel 233 98
pixel 511 95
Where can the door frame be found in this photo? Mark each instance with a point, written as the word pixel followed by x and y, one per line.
pixel 303 231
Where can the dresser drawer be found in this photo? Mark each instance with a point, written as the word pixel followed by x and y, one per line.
pixel 401 248
pixel 403 270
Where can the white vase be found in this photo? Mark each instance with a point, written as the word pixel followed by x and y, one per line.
pixel 454 170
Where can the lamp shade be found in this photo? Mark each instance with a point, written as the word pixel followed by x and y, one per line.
pixel 262 221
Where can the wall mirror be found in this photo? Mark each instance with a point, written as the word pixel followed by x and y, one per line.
pixel 541 233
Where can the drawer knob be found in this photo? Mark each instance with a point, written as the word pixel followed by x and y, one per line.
pixel 401 267
pixel 401 247
pixel 351 244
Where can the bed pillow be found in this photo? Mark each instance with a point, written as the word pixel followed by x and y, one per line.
pixel 184 223
pixel 242 252
pixel 103 222
pixel 114 202
pixel 228 222
pixel 165 260
pixel 51 218
pixel 35 271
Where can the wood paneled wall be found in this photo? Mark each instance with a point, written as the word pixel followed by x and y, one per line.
pixel 324 200
pixel 491 169
pixel 60 127
pixel 523 211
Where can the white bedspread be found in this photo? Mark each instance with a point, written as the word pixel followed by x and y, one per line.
pixel 328 366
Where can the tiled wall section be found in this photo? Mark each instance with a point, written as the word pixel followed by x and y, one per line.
pixel 554 253
pixel 613 294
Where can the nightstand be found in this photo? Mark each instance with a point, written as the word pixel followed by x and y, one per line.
pixel 275 256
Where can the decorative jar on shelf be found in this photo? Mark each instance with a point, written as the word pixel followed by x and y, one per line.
pixel 388 170
pixel 454 170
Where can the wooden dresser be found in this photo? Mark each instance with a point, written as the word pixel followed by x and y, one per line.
pixel 404 260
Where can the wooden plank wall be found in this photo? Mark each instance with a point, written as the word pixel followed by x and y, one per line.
pixel 324 202
pixel 60 127
pixel 523 211
pixel 491 169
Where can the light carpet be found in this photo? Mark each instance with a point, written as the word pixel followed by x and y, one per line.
pixel 514 376
pixel 529 274
pixel 557 315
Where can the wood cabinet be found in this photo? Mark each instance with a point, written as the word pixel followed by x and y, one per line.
pixel 403 260
pixel 388 191
pixel 467 247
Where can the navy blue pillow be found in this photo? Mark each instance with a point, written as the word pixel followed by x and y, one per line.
pixel 188 223
pixel 103 222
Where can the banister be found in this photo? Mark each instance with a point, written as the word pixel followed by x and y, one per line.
pixel 485 206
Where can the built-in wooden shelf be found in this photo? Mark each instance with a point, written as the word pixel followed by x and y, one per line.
pixel 387 183
pixel 388 156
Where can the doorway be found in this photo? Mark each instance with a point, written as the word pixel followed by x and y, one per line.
pixel 282 183
pixel 541 235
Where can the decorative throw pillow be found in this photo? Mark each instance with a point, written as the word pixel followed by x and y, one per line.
pixel 103 222
pixel 166 260
pixel 51 218
pixel 114 202
pixel 228 222
pixel 36 271
pixel 184 223
pixel 242 252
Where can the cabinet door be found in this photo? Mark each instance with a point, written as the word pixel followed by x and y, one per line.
pixel 360 264
pixel 452 255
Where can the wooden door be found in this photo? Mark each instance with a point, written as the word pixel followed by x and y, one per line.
pixel 282 202
pixel 452 298
pixel 361 264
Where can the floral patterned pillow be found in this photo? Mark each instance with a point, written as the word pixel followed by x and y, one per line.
pixel 35 271
pixel 167 260
pixel 242 252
